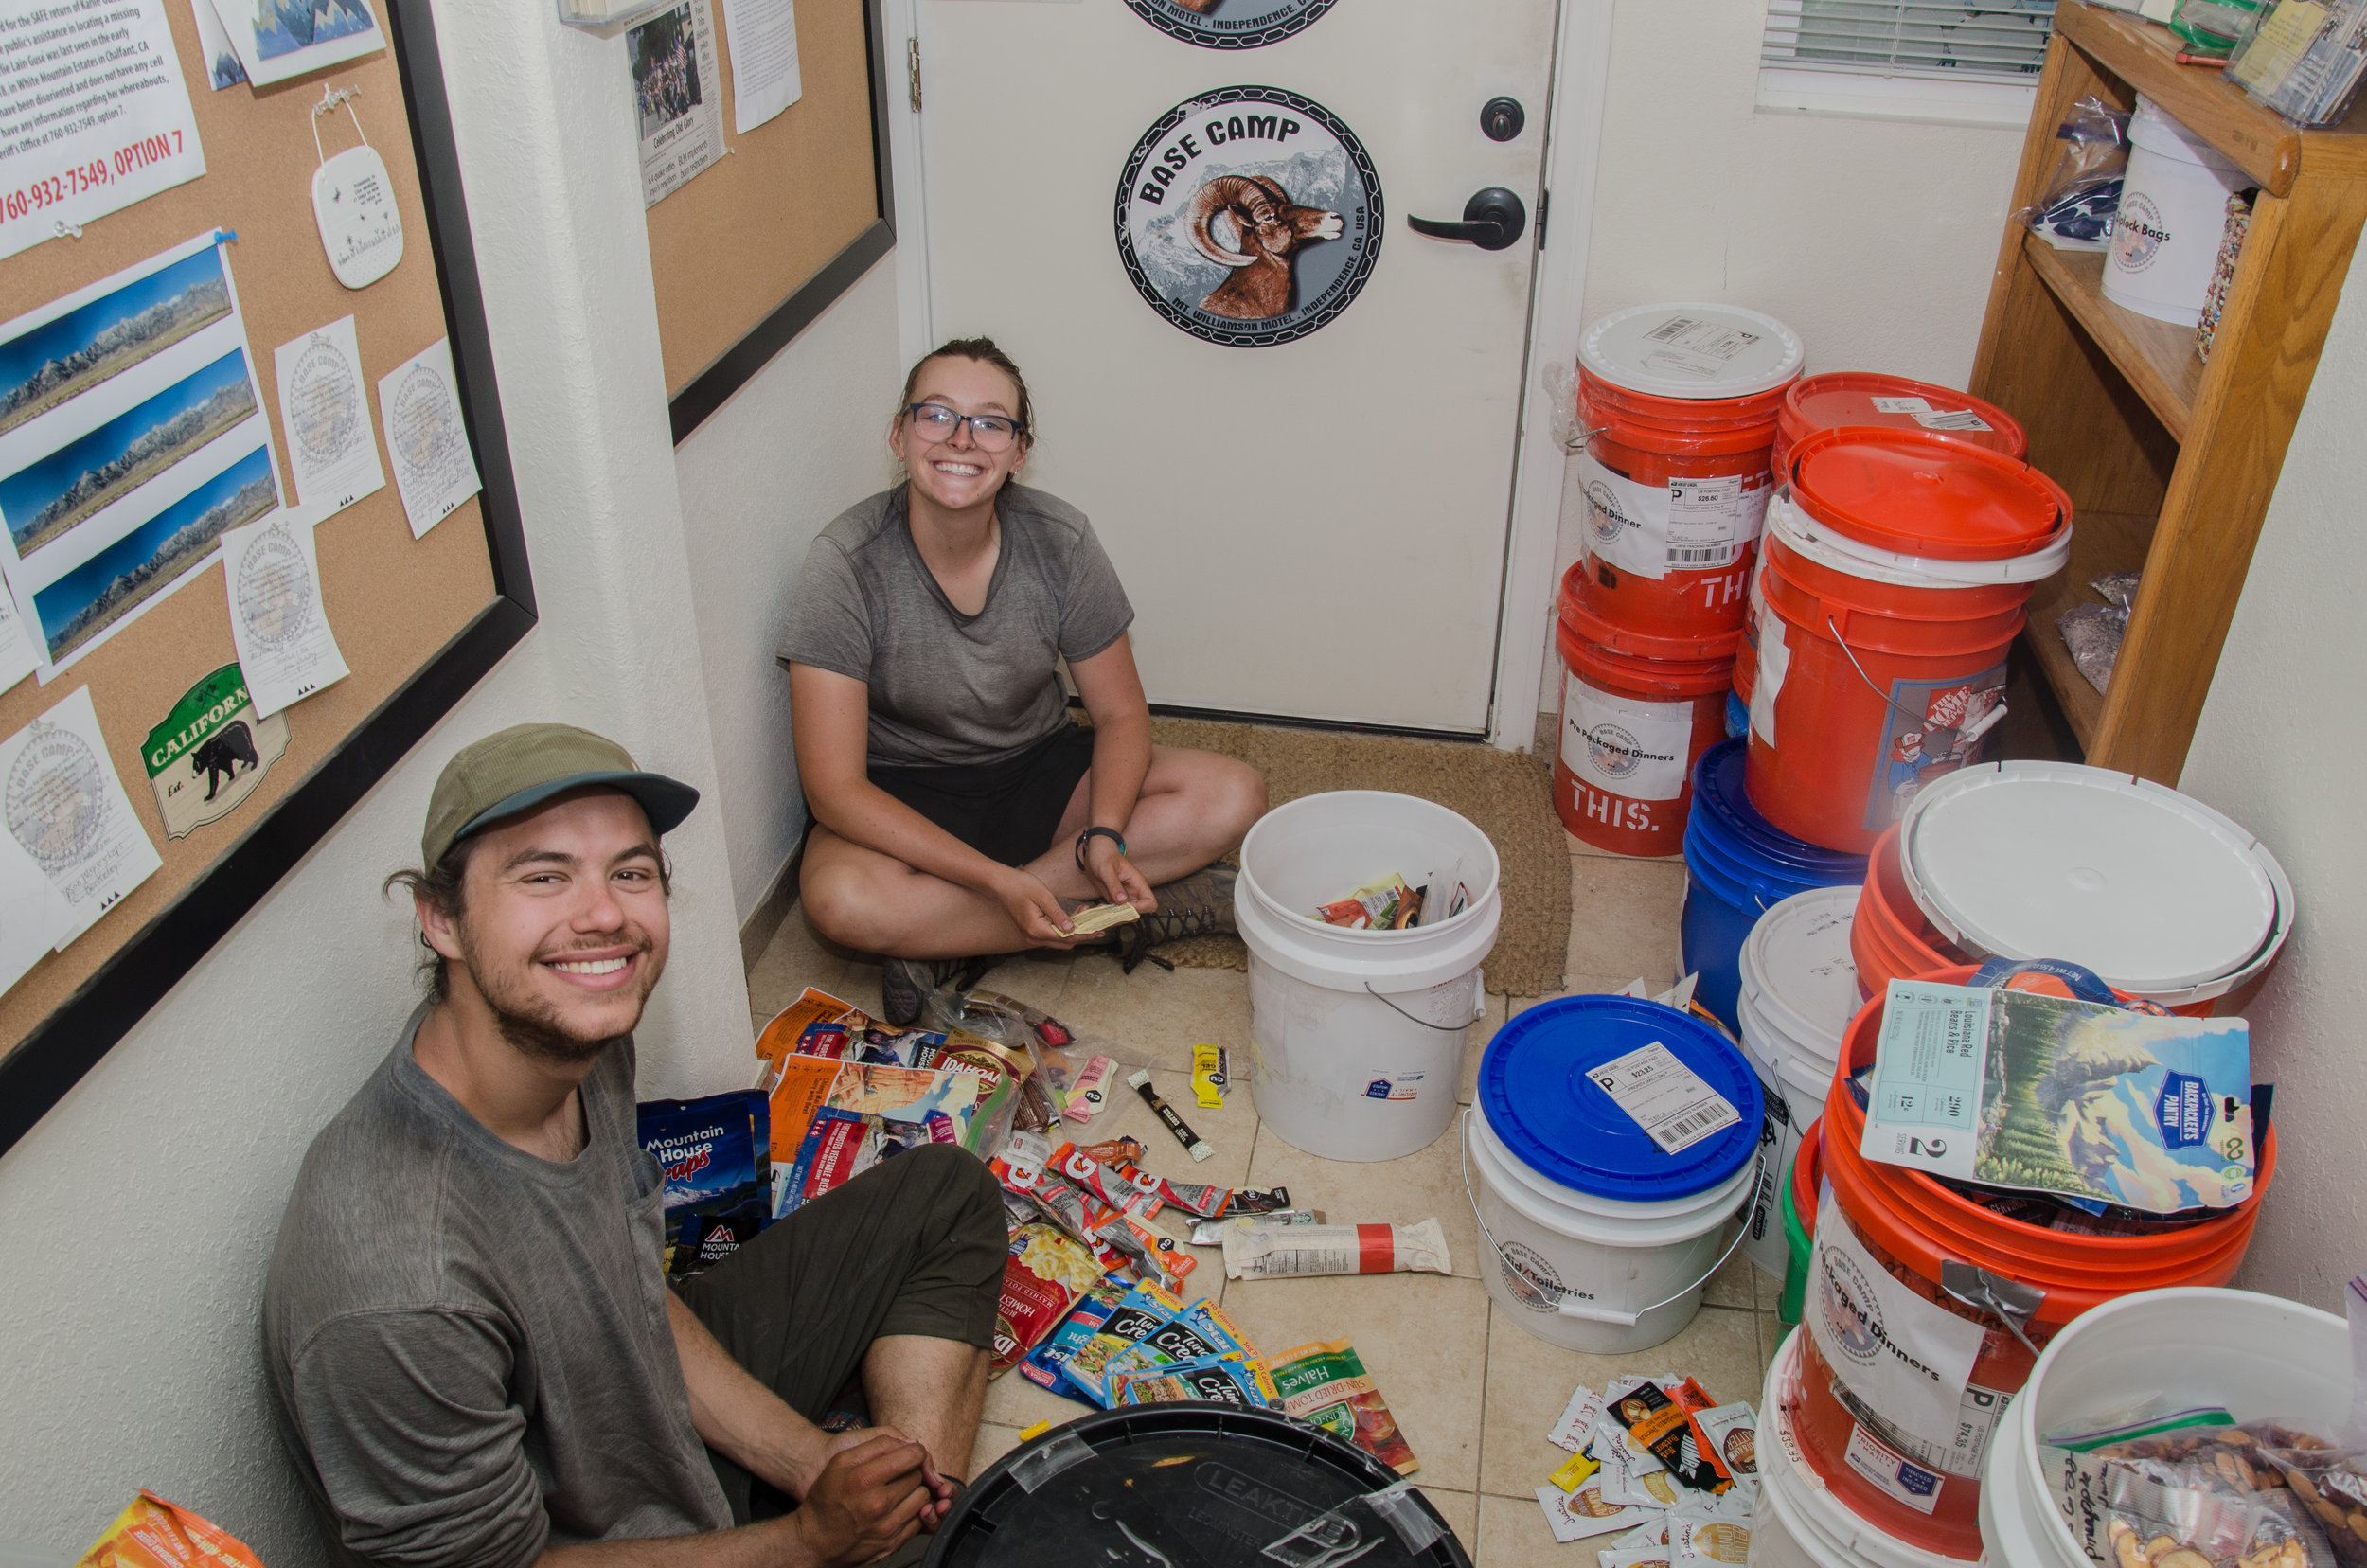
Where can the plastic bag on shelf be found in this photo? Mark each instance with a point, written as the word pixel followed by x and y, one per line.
pixel 2305 59
pixel 2218 26
pixel 2083 194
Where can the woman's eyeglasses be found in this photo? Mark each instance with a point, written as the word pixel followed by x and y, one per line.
pixel 935 423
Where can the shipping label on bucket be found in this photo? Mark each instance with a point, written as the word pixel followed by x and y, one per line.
pixel 1671 1103
pixel 1699 524
pixel 1626 745
pixel 1921 410
pixel 1976 1418
pixel 1892 1472
pixel 1690 346
pixel 1906 1358
pixel 1929 729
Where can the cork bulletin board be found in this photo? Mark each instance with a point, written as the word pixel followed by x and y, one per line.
pixel 756 246
pixel 418 620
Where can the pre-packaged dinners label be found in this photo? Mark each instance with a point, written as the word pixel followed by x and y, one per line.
pixel 1625 746
pixel 1908 1358
pixel 1627 524
pixel 1692 525
pixel 1664 1098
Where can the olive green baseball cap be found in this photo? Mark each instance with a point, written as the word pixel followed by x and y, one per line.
pixel 517 769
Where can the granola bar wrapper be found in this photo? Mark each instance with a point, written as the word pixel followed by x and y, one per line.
pixel 152 1533
pixel 1326 1382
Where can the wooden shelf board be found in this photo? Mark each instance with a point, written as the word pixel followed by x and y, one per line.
pixel 2260 141
pixel 2158 357
pixel 2101 542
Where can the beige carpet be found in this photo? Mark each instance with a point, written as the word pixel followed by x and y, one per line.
pixel 1508 795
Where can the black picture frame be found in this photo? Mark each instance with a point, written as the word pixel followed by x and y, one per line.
pixel 733 368
pixel 84 1028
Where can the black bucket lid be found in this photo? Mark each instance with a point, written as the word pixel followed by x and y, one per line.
pixel 1191 1486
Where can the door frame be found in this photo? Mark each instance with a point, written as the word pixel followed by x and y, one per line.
pixel 1556 317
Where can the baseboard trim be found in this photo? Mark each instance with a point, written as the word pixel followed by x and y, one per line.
pixel 764 922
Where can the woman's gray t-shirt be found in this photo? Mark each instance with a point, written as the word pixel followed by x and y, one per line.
pixel 948 688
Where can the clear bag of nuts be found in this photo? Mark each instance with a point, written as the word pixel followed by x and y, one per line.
pixel 2202 1497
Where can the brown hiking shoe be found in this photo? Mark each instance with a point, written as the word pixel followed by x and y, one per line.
pixel 1197 905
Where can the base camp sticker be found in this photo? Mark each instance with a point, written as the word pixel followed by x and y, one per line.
pixel 1249 217
pixel 1230 24
pixel 210 752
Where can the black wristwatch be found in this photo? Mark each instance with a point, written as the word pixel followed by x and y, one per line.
pixel 1090 834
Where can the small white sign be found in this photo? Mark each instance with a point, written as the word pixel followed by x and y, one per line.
pixel 1668 1099
pixel 425 435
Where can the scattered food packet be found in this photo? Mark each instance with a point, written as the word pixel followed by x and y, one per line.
pixel 1193 1145
pixel 1044 1276
pixel 1194 1197
pixel 1250 1202
pixel 702 1241
pixel 1575 1472
pixel 1090 1093
pixel 1630 1478
pixel 1653 1532
pixel 1116 1152
pixel 715 1151
pixel 1641 1557
pixel 1576 1422
pixel 782 1035
pixel 1084 923
pixel 1114 1186
pixel 1710 1529
pixel 1730 1432
pixel 1208 1077
pixel 1278 1252
pixel 1388 904
pixel 1659 1423
pixel 908 1093
pixel 1042 1365
pixel 841 1145
pixel 1142 1310
pixel 1326 1382
pixel 1200 1331
pixel 1172 1260
pixel 1210 1232
pixel 152 1533
pixel 1231 1380
pixel 1574 1516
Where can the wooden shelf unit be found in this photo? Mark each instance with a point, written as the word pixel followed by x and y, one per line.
pixel 2170 462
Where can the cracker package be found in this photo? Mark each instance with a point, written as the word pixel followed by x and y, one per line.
pixel 152 1533
pixel 1326 1382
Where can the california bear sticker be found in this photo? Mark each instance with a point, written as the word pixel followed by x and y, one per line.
pixel 210 752
pixel 1249 216
pixel 1230 24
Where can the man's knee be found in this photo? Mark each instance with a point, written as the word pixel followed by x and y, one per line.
pixel 1236 798
pixel 950 1179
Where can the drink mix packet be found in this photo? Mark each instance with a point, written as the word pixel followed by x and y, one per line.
pixel 1127 1193
pixel 1326 1382
pixel 152 1533
pixel 1142 1310
pixel 1042 1365
pixel 1228 1379
pixel 1045 1275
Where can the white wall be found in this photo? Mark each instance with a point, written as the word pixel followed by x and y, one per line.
pixel 2279 750
pixel 800 443
pixel 1874 239
pixel 141 1212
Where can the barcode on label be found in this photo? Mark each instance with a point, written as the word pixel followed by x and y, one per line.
pixel 1953 419
pixel 1671 329
pixel 1674 1134
pixel 1667 1100
pixel 1701 554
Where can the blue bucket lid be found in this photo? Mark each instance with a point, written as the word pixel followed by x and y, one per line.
pixel 1722 806
pixel 1738 876
pixel 1534 1090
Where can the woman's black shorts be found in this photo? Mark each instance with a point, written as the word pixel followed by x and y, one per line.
pixel 1006 810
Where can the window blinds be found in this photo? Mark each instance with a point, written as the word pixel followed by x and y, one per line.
pixel 1956 40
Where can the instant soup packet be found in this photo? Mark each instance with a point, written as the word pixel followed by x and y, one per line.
pixel 1198 1332
pixel 1326 1382
pixel 1046 1273
pixel 152 1533
pixel 1231 1378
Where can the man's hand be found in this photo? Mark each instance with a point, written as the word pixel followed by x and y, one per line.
pixel 940 1490
pixel 870 1499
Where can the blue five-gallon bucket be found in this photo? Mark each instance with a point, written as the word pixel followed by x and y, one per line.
pixel 1738 866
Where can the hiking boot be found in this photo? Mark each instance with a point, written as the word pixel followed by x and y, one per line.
pixel 1197 905
pixel 905 983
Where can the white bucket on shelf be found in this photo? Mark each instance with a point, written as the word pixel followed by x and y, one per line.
pixel 2165 239
pixel 2258 1356
pixel 1357 1037
pixel 1798 1521
pixel 1798 992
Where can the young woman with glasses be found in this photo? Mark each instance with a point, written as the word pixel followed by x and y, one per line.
pixel 958 815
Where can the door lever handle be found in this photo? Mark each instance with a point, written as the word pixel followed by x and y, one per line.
pixel 1493 220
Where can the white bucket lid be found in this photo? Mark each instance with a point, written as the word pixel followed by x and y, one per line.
pixel 1836 551
pixel 1797 969
pixel 2156 893
pixel 2156 131
pixel 1692 351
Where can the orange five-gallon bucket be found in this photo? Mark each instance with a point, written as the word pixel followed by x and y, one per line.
pixel 1840 397
pixel 1902 1225
pixel 1679 403
pixel 1631 729
pixel 1896 568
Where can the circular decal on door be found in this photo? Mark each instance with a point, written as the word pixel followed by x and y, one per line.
pixel 1230 24
pixel 1249 216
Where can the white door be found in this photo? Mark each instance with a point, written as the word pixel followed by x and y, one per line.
pixel 1315 527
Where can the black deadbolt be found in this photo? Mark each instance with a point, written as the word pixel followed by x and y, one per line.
pixel 1502 119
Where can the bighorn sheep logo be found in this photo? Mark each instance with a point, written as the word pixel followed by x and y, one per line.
pixel 1230 24
pixel 1268 232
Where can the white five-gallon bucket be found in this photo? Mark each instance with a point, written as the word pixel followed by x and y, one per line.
pixel 1799 1523
pixel 1593 1237
pixel 2260 1357
pixel 2165 239
pixel 1798 992
pixel 1355 1037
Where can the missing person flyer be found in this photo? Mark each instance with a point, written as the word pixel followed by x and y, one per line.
pixel 2047 1093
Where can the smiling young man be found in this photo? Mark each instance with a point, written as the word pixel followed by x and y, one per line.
pixel 471 1349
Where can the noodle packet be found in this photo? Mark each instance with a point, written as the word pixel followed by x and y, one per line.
pixel 152 1533
pixel 1137 1315
pixel 1277 1252
pixel 1230 1380
pixel 1201 1330
pixel 1046 1273
pixel 1388 904
pixel 1574 1516
pixel 1042 1365
pixel 1326 1382
pixel 1210 1232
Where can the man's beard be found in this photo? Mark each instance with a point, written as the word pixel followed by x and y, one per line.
pixel 532 1025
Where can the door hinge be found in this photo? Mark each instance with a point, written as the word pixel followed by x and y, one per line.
pixel 1545 211
pixel 912 63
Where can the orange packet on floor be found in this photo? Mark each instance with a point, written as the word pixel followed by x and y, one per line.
pixel 800 1087
pixel 152 1533
pixel 779 1037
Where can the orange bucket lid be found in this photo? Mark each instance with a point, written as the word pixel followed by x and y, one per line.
pixel 1583 620
pixel 1919 493
pixel 1839 397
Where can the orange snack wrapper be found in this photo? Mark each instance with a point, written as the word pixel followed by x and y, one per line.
pixel 152 1533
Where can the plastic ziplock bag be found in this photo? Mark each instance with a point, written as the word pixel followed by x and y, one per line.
pixel 2083 195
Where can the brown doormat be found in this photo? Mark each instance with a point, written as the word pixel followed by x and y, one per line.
pixel 1507 796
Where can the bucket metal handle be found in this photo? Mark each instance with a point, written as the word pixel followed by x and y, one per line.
pixel 1980 726
pixel 1478 1012
pixel 1567 1302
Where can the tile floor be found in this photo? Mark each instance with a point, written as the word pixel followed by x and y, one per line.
pixel 1473 1390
